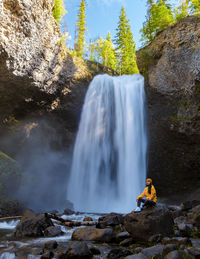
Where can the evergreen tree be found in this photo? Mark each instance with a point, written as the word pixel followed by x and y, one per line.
pixel 58 10
pixel 91 51
pixel 81 29
pixel 182 11
pixel 106 52
pixel 195 6
pixel 159 18
pixel 126 56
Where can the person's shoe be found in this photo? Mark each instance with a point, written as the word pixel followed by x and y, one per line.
pixel 138 209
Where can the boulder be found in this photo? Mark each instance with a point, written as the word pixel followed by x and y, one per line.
pixel 149 222
pixel 110 220
pixel 122 235
pixel 52 244
pixel 127 242
pixel 168 248
pixel 53 231
pixel 32 225
pixel 118 253
pixel 93 234
pixel 177 240
pixel 177 255
pixel 137 256
pixel 78 250
pixel 150 252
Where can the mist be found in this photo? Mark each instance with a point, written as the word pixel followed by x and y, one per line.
pixel 43 150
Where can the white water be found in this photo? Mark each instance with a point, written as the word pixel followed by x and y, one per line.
pixel 9 225
pixel 109 161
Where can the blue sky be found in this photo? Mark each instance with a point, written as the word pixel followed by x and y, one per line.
pixel 103 16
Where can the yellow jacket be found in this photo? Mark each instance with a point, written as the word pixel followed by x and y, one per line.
pixel 149 196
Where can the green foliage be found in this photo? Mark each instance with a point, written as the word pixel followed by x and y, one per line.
pixel 106 52
pixel 81 29
pixel 148 58
pixel 126 51
pixel 58 10
pixel 195 6
pixel 182 11
pixel 159 18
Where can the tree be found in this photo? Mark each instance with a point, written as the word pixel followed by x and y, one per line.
pixel 106 52
pixel 126 56
pixel 81 29
pixel 159 18
pixel 195 6
pixel 182 11
pixel 58 10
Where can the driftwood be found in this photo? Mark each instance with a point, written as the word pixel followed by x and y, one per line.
pixel 69 223
pixel 10 218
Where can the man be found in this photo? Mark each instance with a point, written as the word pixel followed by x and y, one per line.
pixel 150 196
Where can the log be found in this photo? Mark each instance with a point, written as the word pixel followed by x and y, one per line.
pixel 10 218
pixel 69 223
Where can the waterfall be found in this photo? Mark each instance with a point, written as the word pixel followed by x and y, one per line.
pixel 109 160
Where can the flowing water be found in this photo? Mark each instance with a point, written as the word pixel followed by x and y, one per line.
pixel 109 161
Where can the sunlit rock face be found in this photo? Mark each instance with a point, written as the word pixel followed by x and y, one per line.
pixel 171 64
pixel 33 63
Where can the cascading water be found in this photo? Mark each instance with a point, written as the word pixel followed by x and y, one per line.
pixel 109 161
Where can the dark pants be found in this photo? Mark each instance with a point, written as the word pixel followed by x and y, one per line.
pixel 147 203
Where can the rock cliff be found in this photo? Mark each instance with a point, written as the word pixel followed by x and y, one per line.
pixel 171 65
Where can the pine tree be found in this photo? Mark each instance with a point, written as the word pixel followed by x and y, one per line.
pixel 58 10
pixel 106 52
pixel 81 29
pixel 126 56
pixel 159 18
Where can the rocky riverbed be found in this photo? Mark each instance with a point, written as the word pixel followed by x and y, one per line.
pixel 160 232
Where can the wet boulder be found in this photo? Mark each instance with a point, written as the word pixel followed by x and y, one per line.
pixel 149 222
pixel 53 231
pixel 79 250
pixel 110 220
pixel 32 225
pixel 153 251
pixel 52 244
pixel 93 234
pixel 176 254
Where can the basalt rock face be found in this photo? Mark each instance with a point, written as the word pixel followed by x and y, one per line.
pixel 171 65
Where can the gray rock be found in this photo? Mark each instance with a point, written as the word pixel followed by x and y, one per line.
pixel 53 231
pixel 153 251
pixel 177 255
pixel 177 240
pixel 168 248
pixel 137 256
pixel 78 250
pixel 93 234
pixel 110 220
pixel 122 235
pixel 149 222
pixel 32 225
pixel 52 244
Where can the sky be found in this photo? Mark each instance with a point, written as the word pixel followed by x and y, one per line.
pixel 103 16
